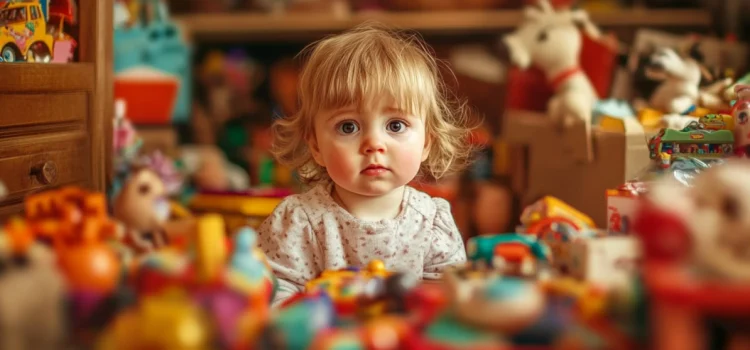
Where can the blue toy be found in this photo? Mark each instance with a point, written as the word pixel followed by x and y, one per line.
pixel 243 259
pixel 157 42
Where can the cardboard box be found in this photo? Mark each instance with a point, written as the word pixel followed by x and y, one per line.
pixel 621 206
pixel 609 261
pixel 545 166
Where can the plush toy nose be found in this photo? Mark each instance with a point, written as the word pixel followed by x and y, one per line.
pixel 663 234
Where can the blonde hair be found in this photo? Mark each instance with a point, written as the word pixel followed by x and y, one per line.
pixel 367 61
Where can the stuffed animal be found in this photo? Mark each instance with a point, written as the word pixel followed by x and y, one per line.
pixel 741 113
pixel 680 78
pixel 551 40
pixel 720 223
pixel 143 209
pixel 711 221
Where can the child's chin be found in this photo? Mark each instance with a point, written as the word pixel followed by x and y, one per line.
pixel 374 189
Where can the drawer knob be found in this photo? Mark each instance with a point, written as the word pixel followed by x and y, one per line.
pixel 45 173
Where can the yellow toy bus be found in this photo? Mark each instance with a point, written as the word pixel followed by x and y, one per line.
pixel 23 33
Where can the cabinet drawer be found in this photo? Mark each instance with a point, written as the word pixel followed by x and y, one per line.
pixel 31 164
pixel 31 109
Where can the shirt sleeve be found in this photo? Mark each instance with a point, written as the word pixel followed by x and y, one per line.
pixel 287 239
pixel 447 246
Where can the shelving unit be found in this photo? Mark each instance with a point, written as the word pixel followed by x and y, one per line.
pixel 258 26
pixel 55 129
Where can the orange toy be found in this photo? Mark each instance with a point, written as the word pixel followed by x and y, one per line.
pixel 75 222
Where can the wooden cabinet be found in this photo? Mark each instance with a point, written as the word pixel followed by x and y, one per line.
pixel 56 119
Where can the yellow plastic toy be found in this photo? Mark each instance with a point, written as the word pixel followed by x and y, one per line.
pixel 237 210
pixel 650 118
pixel 550 206
pixel 210 246
pixel 165 321
pixel 23 35
pixel 333 280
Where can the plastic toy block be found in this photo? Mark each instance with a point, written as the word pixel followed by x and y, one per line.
pixel 210 246
pixel 248 206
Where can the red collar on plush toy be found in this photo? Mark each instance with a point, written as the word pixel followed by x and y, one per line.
pixel 559 79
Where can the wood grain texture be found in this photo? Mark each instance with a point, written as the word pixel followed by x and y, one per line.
pixel 19 110
pixel 38 77
pixel 231 26
pixel 96 47
pixel 59 115
pixel 67 152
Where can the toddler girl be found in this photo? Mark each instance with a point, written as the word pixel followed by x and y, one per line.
pixel 373 115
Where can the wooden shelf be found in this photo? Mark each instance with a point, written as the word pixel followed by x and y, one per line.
pixel 221 26
pixel 46 77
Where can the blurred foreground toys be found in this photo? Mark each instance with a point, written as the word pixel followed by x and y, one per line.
pixel 696 271
pixel 203 286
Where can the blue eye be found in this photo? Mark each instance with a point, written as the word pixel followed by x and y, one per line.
pixel 347 128
pixel 396 126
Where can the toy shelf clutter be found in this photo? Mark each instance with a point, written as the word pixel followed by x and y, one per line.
pixel 56 121
pixel 548 170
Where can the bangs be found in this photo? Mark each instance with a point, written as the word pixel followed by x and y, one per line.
pixel 354 73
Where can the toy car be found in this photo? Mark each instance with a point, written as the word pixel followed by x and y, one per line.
pixel 23 33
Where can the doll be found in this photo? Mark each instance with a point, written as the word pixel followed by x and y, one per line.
pixel 143 209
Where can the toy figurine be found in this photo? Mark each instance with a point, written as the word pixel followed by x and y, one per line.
pixel 680 77
pixel 142 208
pixel 552 41
pixel 741 113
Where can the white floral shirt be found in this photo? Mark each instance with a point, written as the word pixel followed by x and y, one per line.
pixel 309 233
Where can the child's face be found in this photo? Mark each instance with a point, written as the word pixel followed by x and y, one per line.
pixel 369 150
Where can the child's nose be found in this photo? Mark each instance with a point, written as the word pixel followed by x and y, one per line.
pixel 373 143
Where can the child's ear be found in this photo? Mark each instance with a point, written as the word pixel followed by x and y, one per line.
pixel 427 147
pixel 312 144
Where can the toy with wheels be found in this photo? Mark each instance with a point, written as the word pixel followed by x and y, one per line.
pixel 23 37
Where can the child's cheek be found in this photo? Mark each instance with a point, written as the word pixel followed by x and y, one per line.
pixel 340 164
pixel 409 159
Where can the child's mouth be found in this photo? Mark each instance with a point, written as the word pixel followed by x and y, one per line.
pixel 374 170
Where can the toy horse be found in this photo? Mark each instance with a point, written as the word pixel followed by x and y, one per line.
pixel 551 41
